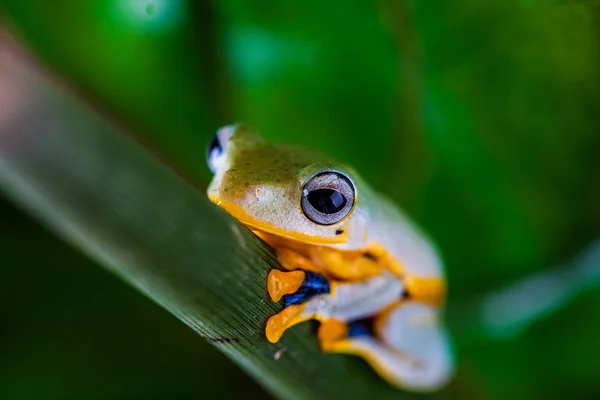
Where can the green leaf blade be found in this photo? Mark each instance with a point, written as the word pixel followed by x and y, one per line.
pixel 101 192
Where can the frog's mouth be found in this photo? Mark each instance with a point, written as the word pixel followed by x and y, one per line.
pixel 261 226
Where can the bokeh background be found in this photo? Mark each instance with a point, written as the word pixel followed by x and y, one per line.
pixel 480 119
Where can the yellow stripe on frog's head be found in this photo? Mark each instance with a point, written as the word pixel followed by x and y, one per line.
pixel 268 187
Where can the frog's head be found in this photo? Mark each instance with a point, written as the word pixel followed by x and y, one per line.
pixel 282 190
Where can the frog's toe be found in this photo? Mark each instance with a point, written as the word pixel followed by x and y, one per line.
pixel 334 335
pixel 281 283
pixel 283 320
pixel 331 331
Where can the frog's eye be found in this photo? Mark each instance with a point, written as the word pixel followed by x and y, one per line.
pixel 328 197
pixel 215 154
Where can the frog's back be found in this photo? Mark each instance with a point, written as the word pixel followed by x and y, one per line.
pixel 391 228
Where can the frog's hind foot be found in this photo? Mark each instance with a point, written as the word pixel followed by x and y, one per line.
pixel 404 344
pixel 296 288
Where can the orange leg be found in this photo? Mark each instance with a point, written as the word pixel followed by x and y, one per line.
pixel 281 283
pixel 292 260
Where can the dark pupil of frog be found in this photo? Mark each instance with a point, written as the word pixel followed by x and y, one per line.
pixel 327 201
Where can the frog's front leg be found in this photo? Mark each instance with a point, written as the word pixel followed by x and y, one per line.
pixel 305 279
pixel 310 295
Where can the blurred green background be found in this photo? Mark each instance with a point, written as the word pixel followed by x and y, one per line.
pixel 480 119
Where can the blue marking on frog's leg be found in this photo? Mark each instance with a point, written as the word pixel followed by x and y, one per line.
pixel 361 327
pixel 313 284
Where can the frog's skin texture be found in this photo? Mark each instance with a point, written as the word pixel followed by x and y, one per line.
pixel 372 279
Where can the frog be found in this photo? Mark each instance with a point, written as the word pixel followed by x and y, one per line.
pixel 352 259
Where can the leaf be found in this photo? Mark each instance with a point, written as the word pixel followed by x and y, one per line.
pixel 101 192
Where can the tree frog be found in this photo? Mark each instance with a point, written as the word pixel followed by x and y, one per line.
pixel 353 260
